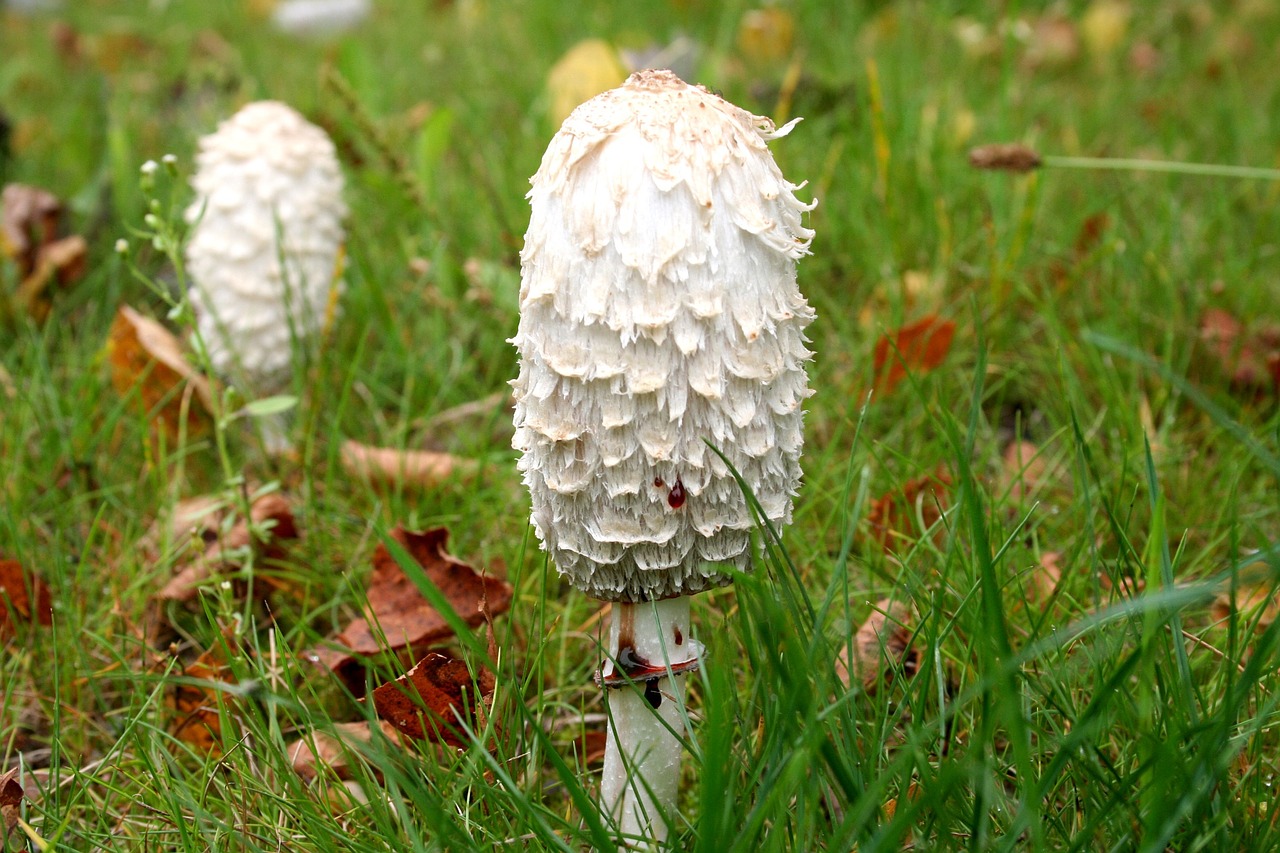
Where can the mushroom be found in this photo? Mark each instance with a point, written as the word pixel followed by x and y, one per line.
pixel 660 326
pixel 265 248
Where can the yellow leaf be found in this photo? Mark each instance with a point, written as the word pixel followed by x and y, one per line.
pixel 1104 26
pixel 587 69
pixel 766 35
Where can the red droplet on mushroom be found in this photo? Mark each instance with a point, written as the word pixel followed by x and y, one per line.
pixel 676 496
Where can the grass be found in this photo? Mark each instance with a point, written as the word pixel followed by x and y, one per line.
pixel 1096 717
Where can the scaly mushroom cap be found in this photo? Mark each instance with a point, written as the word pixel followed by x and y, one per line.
pixel 659 311
pixel 268 228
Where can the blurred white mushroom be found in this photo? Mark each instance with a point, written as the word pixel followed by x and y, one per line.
pixel 659 312
pixel 265 248
pixel 319 17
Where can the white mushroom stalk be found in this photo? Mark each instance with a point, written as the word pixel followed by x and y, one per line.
pixel 264 252
pixel 659 312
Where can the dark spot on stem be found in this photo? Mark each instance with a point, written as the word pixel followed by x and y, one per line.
pixel 652 693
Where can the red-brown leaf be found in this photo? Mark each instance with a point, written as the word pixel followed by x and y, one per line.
pixel 916 348
pixel 399 617
pixel 23 597
pixel 218 555
pixel 320 750
pixel 892 516
pixel 428 701
pixel 1249 360
pixel 195 709
pixel 880 648
pixel 10 802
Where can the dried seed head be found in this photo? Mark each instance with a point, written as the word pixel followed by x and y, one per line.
pixel 1004 157
pixel 658 312
pixel 265 245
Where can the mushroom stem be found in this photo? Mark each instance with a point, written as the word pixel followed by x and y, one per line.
pixel 649 651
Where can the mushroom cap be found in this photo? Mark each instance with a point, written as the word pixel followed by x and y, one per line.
pixel 659 314
pixel 265 245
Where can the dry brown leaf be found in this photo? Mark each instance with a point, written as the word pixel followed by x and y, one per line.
pixel 591 747
pixel 892 515
pixel 915 348
pixel 1052 42
pixel 1021 470
pixel 190 518
pixel 881 648
pixel 322 751
pixel 196 718
pixel 428 701
pixel 29 218
pixel 146 356
pixel 1250 360
pixel 1255 601
pixel 1042 581
pixel 1004 157
pixel 10 804
pixel 415 468
pixel 399 618
pixel 224 553
pixel 23 598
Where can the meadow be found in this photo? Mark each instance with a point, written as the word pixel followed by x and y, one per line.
pixel 1027 600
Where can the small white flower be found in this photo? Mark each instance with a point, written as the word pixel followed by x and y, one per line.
pixel 122 246
pixel 149 168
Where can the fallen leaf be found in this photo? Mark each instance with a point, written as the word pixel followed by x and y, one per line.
pixel 430 700
pixel 766 35
pixel 1249 360
pixel 391 467
pixel 893 514
pixel 10 804
pixel 399 618
pixel 1052 42
pixel 1006 157
pixel 1043 579
pixel 1021 470
pixel 915 348
pixel 1254 598
pixel 1091 233
pixel 23 598
pixel 271 514
pixel 196 709
pixel 62 261
pixel 29 218
pixel 146 356
pixel 1104 26
pixel 322 751
pixel 1145 59
pixel 914 289
pixel 881 648
pixel 586 69
pixel 591 747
